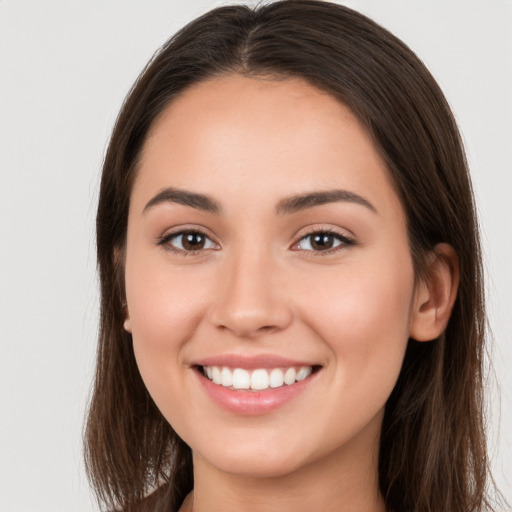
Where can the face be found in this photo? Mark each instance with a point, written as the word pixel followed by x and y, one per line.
pixel 269 281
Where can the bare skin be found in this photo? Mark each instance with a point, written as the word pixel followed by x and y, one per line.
pixel 279 236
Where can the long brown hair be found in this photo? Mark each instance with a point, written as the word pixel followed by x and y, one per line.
pixel 433 449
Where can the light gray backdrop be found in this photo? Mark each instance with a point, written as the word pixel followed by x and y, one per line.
pixel 65 67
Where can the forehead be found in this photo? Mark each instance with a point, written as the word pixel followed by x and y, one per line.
pixel 273 137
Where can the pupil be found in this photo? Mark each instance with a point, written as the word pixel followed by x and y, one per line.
pixel 322 241
pixel 193 241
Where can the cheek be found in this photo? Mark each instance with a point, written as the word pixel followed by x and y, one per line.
pixel 165 308
pixel 165 304
pixel 363 314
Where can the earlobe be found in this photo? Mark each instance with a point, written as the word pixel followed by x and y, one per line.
pixel 118 260
pixel 127 324
pixel 435 295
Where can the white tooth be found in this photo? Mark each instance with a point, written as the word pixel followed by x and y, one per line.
pixel 241 379
pixel 276 378
pixel 289 376
pixel 209 372
pixel 259 379
pixel 227 377
pixel 216 375
pixel 304 372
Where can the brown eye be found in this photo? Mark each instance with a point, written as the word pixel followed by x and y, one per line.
pixel 193 241
pixel 322 241
pixel 188 241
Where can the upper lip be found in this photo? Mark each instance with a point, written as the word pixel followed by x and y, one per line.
pixel 251 362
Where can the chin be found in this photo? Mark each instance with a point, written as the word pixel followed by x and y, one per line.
pixel 251 456
pixel 258 465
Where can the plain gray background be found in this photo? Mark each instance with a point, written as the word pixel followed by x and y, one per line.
pixel 65 67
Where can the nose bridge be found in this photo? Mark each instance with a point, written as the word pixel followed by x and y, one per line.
pixel 251 300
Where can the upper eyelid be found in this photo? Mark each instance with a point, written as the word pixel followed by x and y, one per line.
pixel 328 231
pixel 180 230
pixel 318 228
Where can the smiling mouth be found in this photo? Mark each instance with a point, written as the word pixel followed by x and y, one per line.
pixel 259 379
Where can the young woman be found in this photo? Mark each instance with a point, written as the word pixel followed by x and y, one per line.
pixel 292 311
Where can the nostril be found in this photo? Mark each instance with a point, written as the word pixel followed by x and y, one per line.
pixel 268 328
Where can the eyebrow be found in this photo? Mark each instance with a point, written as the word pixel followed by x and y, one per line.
pixel 180 196
pixel 286 206
pixel 310 199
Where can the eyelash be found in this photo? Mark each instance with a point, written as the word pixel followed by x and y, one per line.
pixel 343 239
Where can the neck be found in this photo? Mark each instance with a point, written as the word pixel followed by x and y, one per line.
pixel 345 480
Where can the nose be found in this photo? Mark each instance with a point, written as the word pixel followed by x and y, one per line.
pixel 251 299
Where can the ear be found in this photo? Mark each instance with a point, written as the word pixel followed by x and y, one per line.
pixel 118 259
pixel 127 324
pixel 435 294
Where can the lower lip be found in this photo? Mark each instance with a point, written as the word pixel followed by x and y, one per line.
pixel 254 402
